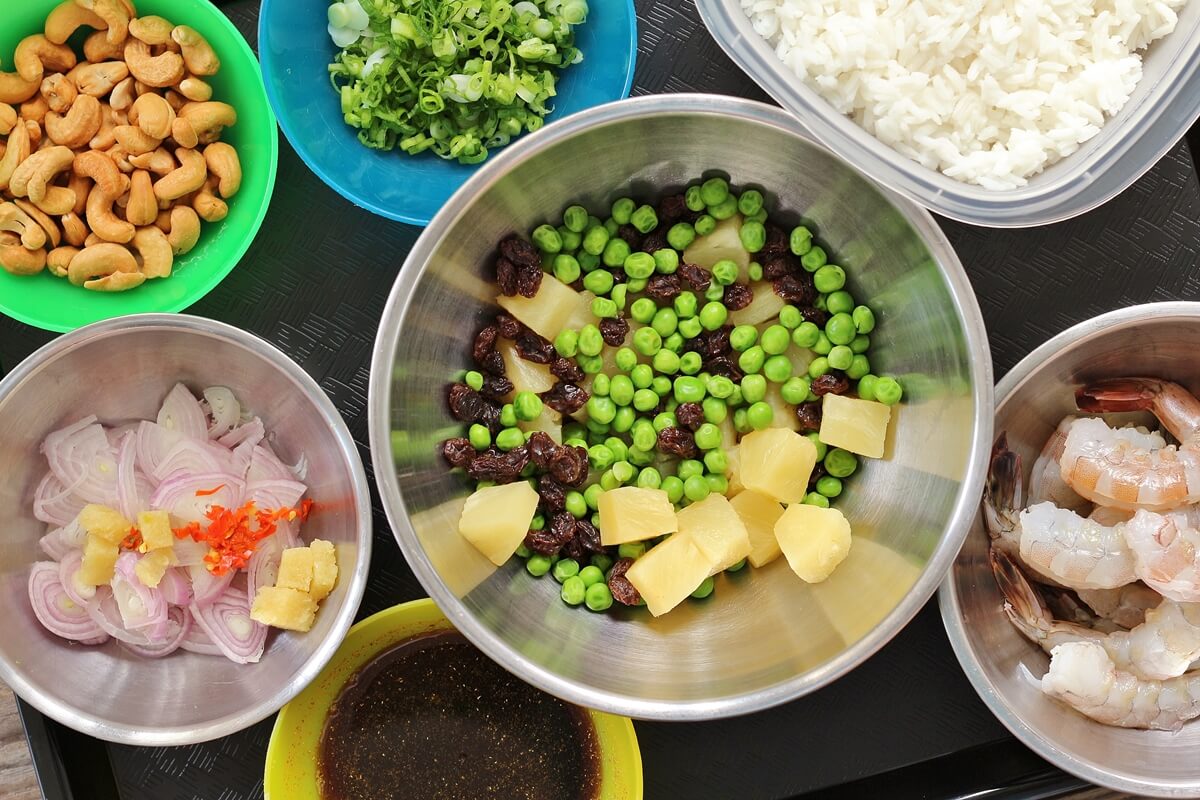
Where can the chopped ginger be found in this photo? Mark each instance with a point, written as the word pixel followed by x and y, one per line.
pixel 155 527
pixel 99 561
pixel 296 569
pixel 286 608
pixel 325 570
pixel 151 567
pixel 105 523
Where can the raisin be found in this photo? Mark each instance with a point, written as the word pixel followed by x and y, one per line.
pixel 458 452
pixel 809 415
pixel 831 383
pixel 776 266
pixel 467 405
pixel 711 344
pixel 817 473
pixel 573 549
pixel 690 415
pixel 506 276
pixel 622 590
pixel 566 369
pixel 655 240
pixel 569 466
pixel 493 363
pixel 696 277
pixel 677 442
pixel 737 296
pixel 541 449
pixel 532 347
pixel 495 387
pixel 554 496
pixel 508 327
pixel 671 208
pixel 492 465
pixel 543 542
pixel 562 525
pixel 565 398
pixel 588 535
pixel 663 287
pixel 520 252
pixel 631 235
pixel 529 280
pixel 797 289
pixel 724 365
pixel 814 315
pixel 776 243
pixel 485 342
pixel 613 330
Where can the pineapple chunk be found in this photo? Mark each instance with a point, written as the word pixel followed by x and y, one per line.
pixel 495 519
pixel 583 314
pixel 280 607
pixel 104 523
pixel 783 413
pixel 325 570
pixel 155 527
pixel 859 426
pixel 733 470
pixel 151 567
pixel 759 514
pixel 724 242
pixel 814 540
pixel 777 462
pixel 549 311
pixel 631 514
pixel 295 569
pixel 669 572
pixel 526 376
pixel 765 306
pixel 717 530
pixel 99 561
pixel 549 422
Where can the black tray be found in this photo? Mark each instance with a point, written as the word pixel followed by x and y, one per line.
pixel 906 723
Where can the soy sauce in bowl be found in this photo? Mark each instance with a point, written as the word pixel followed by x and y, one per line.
pixel 433 717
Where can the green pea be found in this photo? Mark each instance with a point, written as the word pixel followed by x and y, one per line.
pixel 859 367
pixel 473 379
pixel 713 316
pixel 623 471
pixel 822 448
pixel 598 282
pixel 714 292
pixel 680 235
pixel 611 226
pixel 645 400
pixel 619 294
pixel 649 478
pixel 714 190
pixel 888 391
pixel 689 390
pixel 626 359
pixel 754 271
pixel 704 589
pixel 598 597
pixel 724 209
pixel 866 387
pixel 689 467
pixel 717 484
pixel 523 551
pixel 546 238
pixel 689 328
pixel 508 415
pixel 725 272
pixel 566 344
pixel 806 334
pixel 860 343
pixel 591 574
pixel 751 360
pixel 839 302
pixel 673 486
pixel 666 362
pixel 801 240
pixel 573 591
pixel 716 461
pixel 814 259
pixel 840 357
pixel 704 225
pixel 820 302
pixel 664 420
pixel 754 388
pixel 642 375
pixel 818 367
pixel 646 341
pixel 587 261
pixel 644 219
pixel 829 486
pixel 575 218
pixel 600 457
pixel 566 268
pixel 738 567
pixel 840 463
pixel 750 202
pixel 601 409
pixel 602 307
pixel 570 239
pixel 599 429
pixel 753 236
pixel 690 363
pixel 601 561
pixel 622 210
pixel 693 198
pixel 565 568
pixel 777 369
pixel 575 504
pixel 840 328
pixel 591 365
pixel 666 261
pixel 484 484
pixel 537 565
pixel 595 239
pixel 760 415
pixel 715 410
pixel 790 317
pixel 527 405
pixel 740 423
pixel 591 495
pixel 674 343
pixel 720 386
pixel 696 488
pixel 743 337
pixel 621 390
pixel 601 384
pixel 684 305
pixel 829 278
pixel 707 436
pixel 615 252
pixel 639 265
pixel 644 435
pixel 664 322
pixel 816 499
pixel 795 390
pixel 864 319
pixel 639 457
pixel 479 437
pixel 609 481
pixel 636 285
pixel 775 340
pixel 823 345
pixel 634 550
pixel 661 385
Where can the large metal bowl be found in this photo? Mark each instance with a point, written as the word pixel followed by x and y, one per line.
pixel 1159 339
pixel 120 370
pixel 765 637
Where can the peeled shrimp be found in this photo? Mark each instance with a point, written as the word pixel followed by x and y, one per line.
pixel 1164 646
pixel 1046 482
pixel 1166 551
pixel 1126 468
pixel 1083 676
pixel 1125 606
pixel 1074 551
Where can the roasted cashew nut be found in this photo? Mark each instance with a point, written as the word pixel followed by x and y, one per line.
pixel 37 172
pixel 75 233
pixel 209 207
pixel 15 89
pixel 106 137
pixel 160 162
pixel 97 48
pixel 103 221
pixel 53 235
pixel 100 261
pixel 187 178
pixel 198 54
pixel 184 230
pixel 18 260
pixel 59 259
pixel 161 71
pixel 36 108
pixel 209 119
pixel 154 115
pixel 78 126
pixel 100 79
pixel 223 162
pixel 58 92
pixel 142 206
pixel 115 13
pixel 134 140
pixel 151 245
pixel 8 118
pixel 154 31
pixel 67 17
pixel 36 54
pixel 103 171
pixel 184 134
pixel 57 200
pixel 123 95
pixel 15 221
pixel 195 89
pixel 17 150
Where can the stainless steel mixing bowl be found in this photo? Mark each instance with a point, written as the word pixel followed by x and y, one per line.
pixel 120 370
pixel 1159 339
pixel 765 636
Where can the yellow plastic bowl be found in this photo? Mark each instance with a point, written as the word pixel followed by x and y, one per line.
pixel 291 772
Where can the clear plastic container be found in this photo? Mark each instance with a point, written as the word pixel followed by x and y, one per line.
pixel 1163 106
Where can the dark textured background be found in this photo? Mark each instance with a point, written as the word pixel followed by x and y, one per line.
pixel 317 291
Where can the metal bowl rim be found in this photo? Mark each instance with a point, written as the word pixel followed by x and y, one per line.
pixel 148 735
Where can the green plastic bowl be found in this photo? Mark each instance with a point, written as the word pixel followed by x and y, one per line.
pixel 53 303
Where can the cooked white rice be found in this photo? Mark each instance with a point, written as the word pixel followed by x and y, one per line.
pixel 987 91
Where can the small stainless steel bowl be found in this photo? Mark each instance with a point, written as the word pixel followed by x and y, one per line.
pixel 1160 339
pixel 120 370
pixel 765 636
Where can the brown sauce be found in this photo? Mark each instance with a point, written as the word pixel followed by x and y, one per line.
pixel 435 718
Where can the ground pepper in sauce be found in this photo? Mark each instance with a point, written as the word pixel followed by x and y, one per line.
pixel 434 718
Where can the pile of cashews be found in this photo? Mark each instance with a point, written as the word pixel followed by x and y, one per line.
pixel 109 164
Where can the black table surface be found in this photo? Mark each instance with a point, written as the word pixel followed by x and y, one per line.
pixel 318 293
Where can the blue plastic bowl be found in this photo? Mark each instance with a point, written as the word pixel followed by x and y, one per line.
pixel 295 50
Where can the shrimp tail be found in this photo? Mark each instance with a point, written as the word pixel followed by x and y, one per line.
pixel 1002 493
pixel 1117 394
pixel 1024 606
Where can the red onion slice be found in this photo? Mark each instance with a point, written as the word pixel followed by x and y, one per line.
pixel 103 610
pixel 68 576
pixel 191 456
pixel 275 493
pixel 59 541
pixel 197 641
pixel 57 612
pixel 181 412
pixel 56 503
pixel 179 622
pixel 287 534
pixel 175 587
pixel 142 609
pixel 154 442
pixel 224 409
pixel 83 460
pixel 263 568
pixel 189 552
pixel 252 432
pixel 177 494
pixel 129 494
pixel 266 466
pixel 227 622
pixel 207 587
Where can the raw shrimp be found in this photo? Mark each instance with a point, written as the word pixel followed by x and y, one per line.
pixel 1074 551
pixel 1125 606
pixel 1127 468
pixel 1002 497
pixel 1166 551
pixel 1046 482
pixel 1164 646
pixel 1083 676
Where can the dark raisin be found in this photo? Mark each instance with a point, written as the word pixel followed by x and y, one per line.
pixel 508 327
pixel 492 465
pixel 554 496
pixel 485 342
pixel 710 344
pixel 655 240
pixel 677 442
pixel 562 525
pixel 458 452
pixel 831 383
pixel 496 387
pixel 467 405
pixel 613 330
pixel 532 347
pixel 588 535
pixel 797 289
pixel 569 466
pixel 543 542
pixel 506 276
pixel 672 207
pixel 809 415
pixel 493 363
pixel 690 415
pixel 817 473
pixel 631 235
pixel 777 241
pixel 622 590
pixel 776 266
pixel 566 369
pixel 737 296
pixel 696 277
pixel 814 315
pixel 573 549
pixel 529 280
pixel 724 365
pixel 520 252
pixel 663 287
pixel 565 398
pixel 541 449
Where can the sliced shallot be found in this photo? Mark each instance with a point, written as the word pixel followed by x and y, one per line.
pixel 59 614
